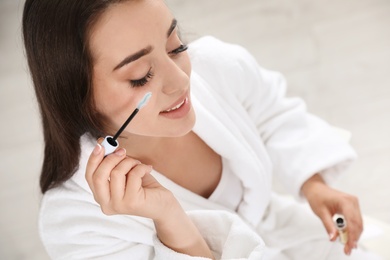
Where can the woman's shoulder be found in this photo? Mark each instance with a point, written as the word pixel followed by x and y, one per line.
pixel 72 194
pixel 213 47
pixel 226 66
pixel 64 200
pixel 71 223
pixel 60 209
pixel 212 53
pixel 76 188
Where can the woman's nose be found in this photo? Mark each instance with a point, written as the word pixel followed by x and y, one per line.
pixel 176 77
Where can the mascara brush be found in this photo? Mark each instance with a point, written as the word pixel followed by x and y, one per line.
pixel 110 143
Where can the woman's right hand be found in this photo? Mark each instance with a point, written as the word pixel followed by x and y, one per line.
pixel 123 185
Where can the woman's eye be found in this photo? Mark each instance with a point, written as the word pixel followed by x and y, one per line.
pixel 142 82
pixel 182 47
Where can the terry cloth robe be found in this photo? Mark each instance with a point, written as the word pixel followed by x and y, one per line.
pixel 243 115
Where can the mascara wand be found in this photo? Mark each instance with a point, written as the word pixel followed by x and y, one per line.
pixel 110 143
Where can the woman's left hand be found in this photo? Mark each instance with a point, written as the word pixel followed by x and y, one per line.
pixel 325 202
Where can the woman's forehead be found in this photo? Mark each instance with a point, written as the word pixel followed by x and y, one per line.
pixel 129 26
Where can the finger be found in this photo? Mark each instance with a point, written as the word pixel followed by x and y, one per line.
pixel 354 225
pixel 149 181
pixel 118 177
pixel 330 227
pixel 100 177
pixel 134 180
pixel 327 220
pixel 94 160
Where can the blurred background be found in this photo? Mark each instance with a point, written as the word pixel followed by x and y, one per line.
pixel 335 54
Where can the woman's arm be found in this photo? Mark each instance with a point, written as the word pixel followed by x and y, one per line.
pixel 297 142
pixel 325 202
pixel 176 231
pixel 122 185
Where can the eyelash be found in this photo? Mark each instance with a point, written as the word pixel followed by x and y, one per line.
pixel 182 48
pixel 143 81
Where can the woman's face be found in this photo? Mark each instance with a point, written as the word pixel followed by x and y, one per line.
pixel 136 49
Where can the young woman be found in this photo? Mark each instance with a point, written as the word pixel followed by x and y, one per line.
pixel 192 176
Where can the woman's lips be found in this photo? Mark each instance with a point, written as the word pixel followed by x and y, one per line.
pixel 179 109
pixel 175 107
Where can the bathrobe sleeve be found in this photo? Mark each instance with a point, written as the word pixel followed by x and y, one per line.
pixel 72 226
pixel 298 143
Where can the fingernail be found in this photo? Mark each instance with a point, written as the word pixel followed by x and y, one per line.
pixel 97 149
pixel 331 235
pixel 355 245
pixel 120 152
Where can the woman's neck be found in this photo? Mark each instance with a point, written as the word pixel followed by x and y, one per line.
pixel 149 150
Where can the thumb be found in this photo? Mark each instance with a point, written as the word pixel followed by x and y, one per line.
pixel 327 220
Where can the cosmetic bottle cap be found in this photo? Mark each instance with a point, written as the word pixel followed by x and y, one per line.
pixel 339 221
pixel 109 145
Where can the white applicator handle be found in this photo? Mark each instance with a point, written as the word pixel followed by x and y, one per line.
pixel 109 145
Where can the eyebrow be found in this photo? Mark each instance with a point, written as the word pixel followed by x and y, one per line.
pixel 172 27
pixel 144 51
pixel 134 57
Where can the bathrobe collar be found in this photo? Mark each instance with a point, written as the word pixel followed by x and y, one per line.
pixel 226 133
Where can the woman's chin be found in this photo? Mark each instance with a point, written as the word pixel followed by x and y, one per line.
pixel 183 127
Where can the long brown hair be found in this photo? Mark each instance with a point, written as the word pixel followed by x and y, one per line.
pixel 55 34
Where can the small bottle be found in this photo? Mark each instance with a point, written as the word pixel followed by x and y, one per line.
pixel 341 226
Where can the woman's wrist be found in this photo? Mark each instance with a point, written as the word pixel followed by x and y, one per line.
pixel 176 230
pixel 312 184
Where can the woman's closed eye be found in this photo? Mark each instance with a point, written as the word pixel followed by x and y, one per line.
pixel 182 48
pixel 142 82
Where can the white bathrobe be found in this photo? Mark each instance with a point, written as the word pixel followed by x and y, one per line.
pixel 243 115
